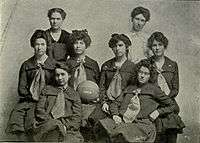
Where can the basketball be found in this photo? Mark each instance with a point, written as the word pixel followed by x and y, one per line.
pixel 88 90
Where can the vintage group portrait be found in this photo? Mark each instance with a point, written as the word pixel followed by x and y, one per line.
pixel 110 71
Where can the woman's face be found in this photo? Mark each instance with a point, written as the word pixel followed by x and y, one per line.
pixel 56 20
pixel 143 75
pixel 138 22
pixel 158 49
pixel 79 47
pixel 40 47
pixel 61 77
pixel 120 49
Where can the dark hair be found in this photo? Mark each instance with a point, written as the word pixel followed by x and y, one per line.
pixel 115 38
pixel 59 10
pixel 64 67
pixel 80 35
pixel 147 64
pixel 158 36
pixel 36 35
pixel 141 10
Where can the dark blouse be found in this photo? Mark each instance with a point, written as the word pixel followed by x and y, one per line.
pixel 72 117
pixel 170 73
pixel 150 98
pixel 27 73
pixel 91 68
pixel 108 70
pixel 61 49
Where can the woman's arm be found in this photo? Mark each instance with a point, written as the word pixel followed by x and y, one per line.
pixel 23 88
pixel 166 103
pixel 175 83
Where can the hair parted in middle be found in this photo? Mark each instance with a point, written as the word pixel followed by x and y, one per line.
pixel 80 35
pixel 141 10
pixel 115 38
pixel 59 10
pixel 158 36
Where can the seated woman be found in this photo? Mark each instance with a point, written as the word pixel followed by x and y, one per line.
pixel 168 80
pixel 84 68
pixel 58 39
pixel 34 74
pixel 58 111
pixel 116 74
pixel 134 112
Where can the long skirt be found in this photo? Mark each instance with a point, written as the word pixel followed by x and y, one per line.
pixel 142 130
pixel 54 131
pixel 21 118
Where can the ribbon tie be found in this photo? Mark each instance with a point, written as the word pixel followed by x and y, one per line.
pixel 115 89
pixel 133 108
pixel 162 82
pixel 58 109
pixel 80 74
pixel 38 83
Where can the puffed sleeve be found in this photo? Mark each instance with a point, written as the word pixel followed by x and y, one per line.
pixel 23 88
pixel 103 96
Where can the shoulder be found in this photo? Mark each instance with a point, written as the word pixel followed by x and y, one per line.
pixel 170 65
pixel 65 33
pixel 50 63
pixel 50 90
pixel 130 64
pixel 170 61
pixel 130 89
pixel 71 94
pixel 90 60
pixel 29 63
pixel 108 64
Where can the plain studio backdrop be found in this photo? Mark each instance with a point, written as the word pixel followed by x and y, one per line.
pixel 178 20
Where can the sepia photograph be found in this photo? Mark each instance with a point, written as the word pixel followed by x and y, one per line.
pixel 100 71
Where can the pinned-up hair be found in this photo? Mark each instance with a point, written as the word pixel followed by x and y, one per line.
pixel 59 10
pixel 64 67
pixel 80 35
pixel 141 10
pixel 158 36
pixel 36 35
pixel 115 38
pixel 147 63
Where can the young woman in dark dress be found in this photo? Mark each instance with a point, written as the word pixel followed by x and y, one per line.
pixel 116 74
pixel 168 80
pixel 57 38
pixel 34 74
pixel 85 69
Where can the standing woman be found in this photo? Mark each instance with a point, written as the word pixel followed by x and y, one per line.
pixel 34 74
pixel 84 68
pixel 58 39
pixel 168 81
pixel 140 16
pixel 116 74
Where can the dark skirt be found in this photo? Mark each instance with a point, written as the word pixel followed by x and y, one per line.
pixel 54 130
pixel 139 131
pixel 171 121
pixel 21 118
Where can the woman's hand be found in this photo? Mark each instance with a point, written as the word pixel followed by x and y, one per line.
pixel 117 119
pixel 154 114
pixel 105 108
